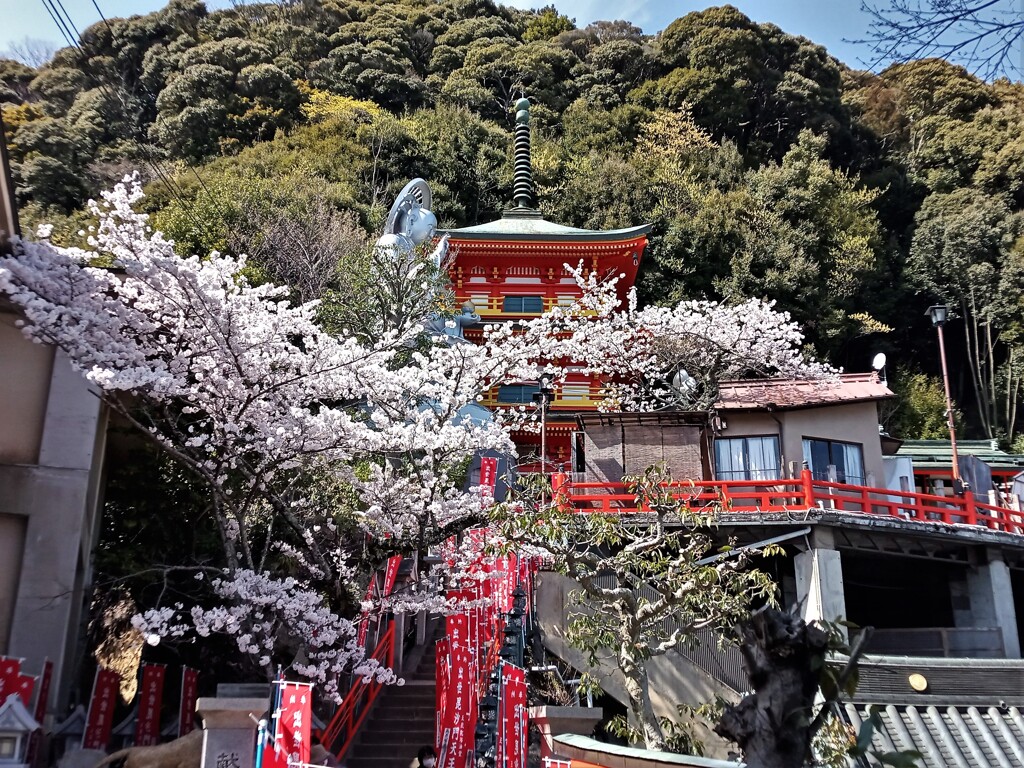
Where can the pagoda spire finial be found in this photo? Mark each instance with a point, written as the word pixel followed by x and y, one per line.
pixel 522 192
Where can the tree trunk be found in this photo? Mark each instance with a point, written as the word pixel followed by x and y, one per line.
pixel 639 692
pixel 783 657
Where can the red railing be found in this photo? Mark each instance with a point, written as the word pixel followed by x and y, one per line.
pixel 801 494
pixel 339 733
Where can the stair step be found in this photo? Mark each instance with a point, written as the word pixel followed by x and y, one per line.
pixel 406 736
pixel 408 714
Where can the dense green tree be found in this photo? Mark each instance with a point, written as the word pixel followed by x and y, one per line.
pixel 793 178
pixel 962 245
pixel 745 81
pixel 15 79
pixel 548 23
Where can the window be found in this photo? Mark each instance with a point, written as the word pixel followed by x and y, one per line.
pixel 525 305
pixel 517 393
pixel 747 458
pixel 847 458
pixel 575 391
pixel 8 747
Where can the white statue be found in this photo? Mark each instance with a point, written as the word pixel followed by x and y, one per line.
pixel 411 223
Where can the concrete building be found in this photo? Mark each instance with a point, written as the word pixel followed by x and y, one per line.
pixel 52 432
pixel 940 579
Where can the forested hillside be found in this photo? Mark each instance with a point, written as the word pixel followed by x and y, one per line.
pixel 767 168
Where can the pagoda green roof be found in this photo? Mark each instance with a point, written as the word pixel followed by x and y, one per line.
pixel 528 224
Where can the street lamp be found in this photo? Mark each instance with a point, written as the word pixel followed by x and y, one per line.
pixel 543 398
pixel 939 313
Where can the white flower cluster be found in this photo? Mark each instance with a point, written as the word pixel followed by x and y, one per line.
pixel 662 357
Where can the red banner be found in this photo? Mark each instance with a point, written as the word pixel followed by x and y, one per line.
pixel 23 686
pixel 459 718
pixel 294 721
pixel 488 474
pixel 150 701
pixel 187 708
pixel 391 574
pixel 10 669
pixel 101 710
pixel 512 718
pixel 42 698
pixel 440 689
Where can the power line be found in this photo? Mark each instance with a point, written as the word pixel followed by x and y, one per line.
pixel 72 36
pixel 195 173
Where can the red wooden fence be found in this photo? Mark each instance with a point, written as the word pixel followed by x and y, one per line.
pixel 800 494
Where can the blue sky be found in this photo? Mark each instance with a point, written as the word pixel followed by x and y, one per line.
pixel 826 23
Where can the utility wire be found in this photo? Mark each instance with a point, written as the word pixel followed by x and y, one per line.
pixel 191 167
pixel 72 36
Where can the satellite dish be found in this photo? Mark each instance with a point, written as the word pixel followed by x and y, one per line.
pixel 878 363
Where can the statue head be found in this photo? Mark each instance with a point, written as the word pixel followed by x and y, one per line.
pixel 419 224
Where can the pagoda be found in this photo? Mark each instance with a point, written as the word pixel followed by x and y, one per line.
pixel 514 269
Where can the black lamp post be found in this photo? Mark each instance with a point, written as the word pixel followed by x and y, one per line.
pixel 483 743
pixel 939 313
pixel 543 397
pixel 519 599
pixel 486 732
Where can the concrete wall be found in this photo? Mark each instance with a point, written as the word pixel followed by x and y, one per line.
pixel 674 680
pixel 24 388
pixel 51 450
pixel 850 423
pixel 984 598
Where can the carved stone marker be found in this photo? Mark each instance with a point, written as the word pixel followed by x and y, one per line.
pixel 229 731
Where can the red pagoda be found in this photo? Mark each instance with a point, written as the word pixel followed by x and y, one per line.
pixel 514 269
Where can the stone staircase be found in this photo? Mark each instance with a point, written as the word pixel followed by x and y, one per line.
pixel 402 719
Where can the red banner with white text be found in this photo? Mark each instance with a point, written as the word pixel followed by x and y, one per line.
pixel 13 681
pixel 295 719
pixel 150 701
pixel 101 710
pixel 42 698
pixel 489 474
pixel 458 719
pixel 189 695
pixel 440 689
pixel 390 577
pixel 512 718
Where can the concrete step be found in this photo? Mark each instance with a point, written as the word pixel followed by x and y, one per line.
pixel 402 712
pixel 409 735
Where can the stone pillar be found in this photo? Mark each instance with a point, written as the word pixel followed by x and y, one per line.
pixel 229 731
pixel 554 721
pixel 819 579
pixel 990 593
pixel 60 497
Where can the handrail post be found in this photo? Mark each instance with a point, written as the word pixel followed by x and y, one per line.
pixel 970 508
pixel 807 485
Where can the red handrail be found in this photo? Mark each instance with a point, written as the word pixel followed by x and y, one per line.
pixel 801 494
pixel 339 733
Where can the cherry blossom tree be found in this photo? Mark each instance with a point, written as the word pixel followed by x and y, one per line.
pixel 279 418
pixel 672 357
pixel 310 442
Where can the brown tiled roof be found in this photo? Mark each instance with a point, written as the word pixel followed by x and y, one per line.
pixel 759 394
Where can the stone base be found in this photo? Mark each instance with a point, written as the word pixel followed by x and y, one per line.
pixel 554 721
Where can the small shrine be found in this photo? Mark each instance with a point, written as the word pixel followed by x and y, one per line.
pixel 16 726
pixel 514 269
pixel 67 734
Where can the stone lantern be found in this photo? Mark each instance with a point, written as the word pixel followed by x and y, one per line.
pixel 16 726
